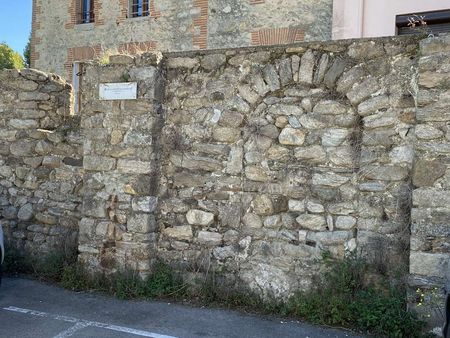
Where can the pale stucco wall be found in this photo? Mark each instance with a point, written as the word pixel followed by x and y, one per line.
pixel 375 18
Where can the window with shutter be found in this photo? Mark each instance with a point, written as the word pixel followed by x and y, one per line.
pixel 419 23
pixel 139 8
pixel 85 11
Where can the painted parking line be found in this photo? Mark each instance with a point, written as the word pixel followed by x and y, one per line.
pixel 81 324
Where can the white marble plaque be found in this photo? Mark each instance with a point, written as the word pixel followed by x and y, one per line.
pixel 118 91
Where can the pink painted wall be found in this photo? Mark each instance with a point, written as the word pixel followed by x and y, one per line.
pixel 372 18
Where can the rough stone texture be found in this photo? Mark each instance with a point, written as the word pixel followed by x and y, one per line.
pixel 430 216
pixel 40 162
pixel 231 161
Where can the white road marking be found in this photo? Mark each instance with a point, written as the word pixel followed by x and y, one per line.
pixel 80 324
pixel 70 331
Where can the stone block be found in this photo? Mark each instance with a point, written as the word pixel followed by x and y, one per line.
pixel 329 179
pixel 271 77
pixel 257 174
pixel 297 205
pixel 385 173
pixel 335 137
pixel 329 107
pixel 209 238
pixel 226 135
pixel 306 72
pixel 98 163
pixel 429 264
pixel 22 148
pixel 121 59
pixel 428 132
pixel 363 91
pixel 213 61
pixel 426 172
pixel 144 204
pixel 252 221
pixel 345 222
pixel 431 198
pixel 312 222
pixel 134 166
pixel 312 154
pixel 179 233
pixel 182 62
pixel 329 237
pixel 23 124
pixel 25 212
pixel 291 136
pixel 199 217
pixel 201 163
pixel 141 223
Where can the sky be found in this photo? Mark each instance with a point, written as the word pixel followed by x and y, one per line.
pixel 15 23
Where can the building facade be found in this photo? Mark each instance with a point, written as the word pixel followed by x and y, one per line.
pixel 376 18
pixel 77 30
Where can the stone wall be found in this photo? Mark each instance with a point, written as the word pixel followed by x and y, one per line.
pixel 172 25
pixel 282 154
pixel 430 228
pixel 40 162
pixel 252 162
pixel 118 228
pixel 248 164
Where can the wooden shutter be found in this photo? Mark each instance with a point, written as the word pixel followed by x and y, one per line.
pixel 91 11
pixel 145 8
pixel 135 8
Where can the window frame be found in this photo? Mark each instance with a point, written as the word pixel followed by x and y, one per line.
pixel 138 8
pixel 85 12
pixel 432 18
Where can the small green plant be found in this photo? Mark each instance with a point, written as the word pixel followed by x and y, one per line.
pixel 430 302
pixel 343 298
pixel 126 284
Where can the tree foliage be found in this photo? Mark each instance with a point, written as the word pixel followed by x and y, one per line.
pixel 27 53
pixel 9 59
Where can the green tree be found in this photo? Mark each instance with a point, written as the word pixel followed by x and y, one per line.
pixel 27 53
pixel 9 59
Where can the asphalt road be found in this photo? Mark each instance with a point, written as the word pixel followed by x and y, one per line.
pixel 36 310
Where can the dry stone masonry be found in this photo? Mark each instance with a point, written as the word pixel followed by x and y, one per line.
pixel 246 163
pixel 40 161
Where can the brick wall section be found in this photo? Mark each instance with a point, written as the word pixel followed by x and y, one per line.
pixel 154 13
pixel 123 5
pixel 84 53
pixel 138 47
pixel 35 40
pixel 73 8
pixel 98 13
pixel 277 36
pixel 200 34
